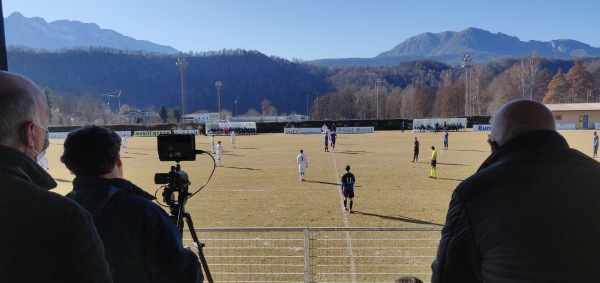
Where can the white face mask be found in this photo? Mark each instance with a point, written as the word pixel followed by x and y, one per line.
pixel 40 155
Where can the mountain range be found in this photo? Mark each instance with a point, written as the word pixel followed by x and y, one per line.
pixel 481 45
pixel 447 47
pixel 38 34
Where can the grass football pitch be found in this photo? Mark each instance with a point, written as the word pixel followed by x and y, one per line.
pixel 258 184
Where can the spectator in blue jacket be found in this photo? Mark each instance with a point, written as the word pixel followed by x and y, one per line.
pixel 142 243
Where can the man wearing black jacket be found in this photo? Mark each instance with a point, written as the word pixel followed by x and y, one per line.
pixel 142 242
pixel 44 237
pixel 531 213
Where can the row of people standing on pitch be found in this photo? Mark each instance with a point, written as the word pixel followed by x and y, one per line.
pixel 219 149
pixel 346 183
pixel 435 129
pixel 227 131
pixel 433 157
pixel 329 135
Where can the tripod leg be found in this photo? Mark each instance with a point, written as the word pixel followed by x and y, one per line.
pixel 200 247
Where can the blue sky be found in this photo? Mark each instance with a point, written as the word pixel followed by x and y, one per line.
pixel 317 29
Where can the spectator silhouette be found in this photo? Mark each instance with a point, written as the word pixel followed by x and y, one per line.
pixel 530 213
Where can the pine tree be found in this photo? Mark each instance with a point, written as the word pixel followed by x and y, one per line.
pixel 163 114
pixel 581 83
pixel 557 89
pixel 177 115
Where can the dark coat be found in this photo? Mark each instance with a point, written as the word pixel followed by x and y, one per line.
pixel 142 242
pixel 531 213
pixel 44 237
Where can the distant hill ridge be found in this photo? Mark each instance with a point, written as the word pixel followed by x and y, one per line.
pixel 483 46
pixel 447 47
pixel 38 34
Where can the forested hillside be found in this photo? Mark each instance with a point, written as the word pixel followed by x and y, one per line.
pixel 150 80
pixel 269 85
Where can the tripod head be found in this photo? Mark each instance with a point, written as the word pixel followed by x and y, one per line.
pixel 176 192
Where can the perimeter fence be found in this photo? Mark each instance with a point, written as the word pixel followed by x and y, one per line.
pixel 318 254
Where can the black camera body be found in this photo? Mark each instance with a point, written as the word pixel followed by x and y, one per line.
pixel 176 181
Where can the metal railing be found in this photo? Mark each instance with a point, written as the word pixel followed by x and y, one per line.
pixel 379 254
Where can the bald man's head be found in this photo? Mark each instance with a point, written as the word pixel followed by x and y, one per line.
pixel 519 117
pixel 21 102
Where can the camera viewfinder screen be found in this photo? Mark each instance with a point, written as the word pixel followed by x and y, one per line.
pixel 176 147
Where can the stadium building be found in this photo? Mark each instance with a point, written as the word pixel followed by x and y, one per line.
pixel 570 116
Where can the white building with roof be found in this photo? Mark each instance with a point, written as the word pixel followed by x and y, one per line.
pixel 576 115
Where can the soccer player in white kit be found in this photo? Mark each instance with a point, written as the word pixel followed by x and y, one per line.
pixel 233 138
pixel 124 143
pixel 302 164
pixel 326 137
pixel 219 152
pixel 212 143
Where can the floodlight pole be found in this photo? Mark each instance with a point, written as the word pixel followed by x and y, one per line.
pixel 307 96
pixel 466 63
pixel 182 65
pixel 218 86
pixel 377 83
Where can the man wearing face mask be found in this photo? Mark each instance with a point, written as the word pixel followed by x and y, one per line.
pixel 531 213
pixel 44 237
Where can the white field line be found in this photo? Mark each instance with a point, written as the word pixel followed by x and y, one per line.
pixel 345 217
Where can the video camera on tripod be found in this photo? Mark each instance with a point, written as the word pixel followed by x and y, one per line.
pixel 179 147
pixel 175 147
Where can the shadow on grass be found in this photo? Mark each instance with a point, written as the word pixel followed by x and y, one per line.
pixel 321 182
pixel 351 152
pixel 452 164
pixel 232 154
pixel 473 150
pixel 403 219
pixel 241 168
pixel 330 183
pixel 450 179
